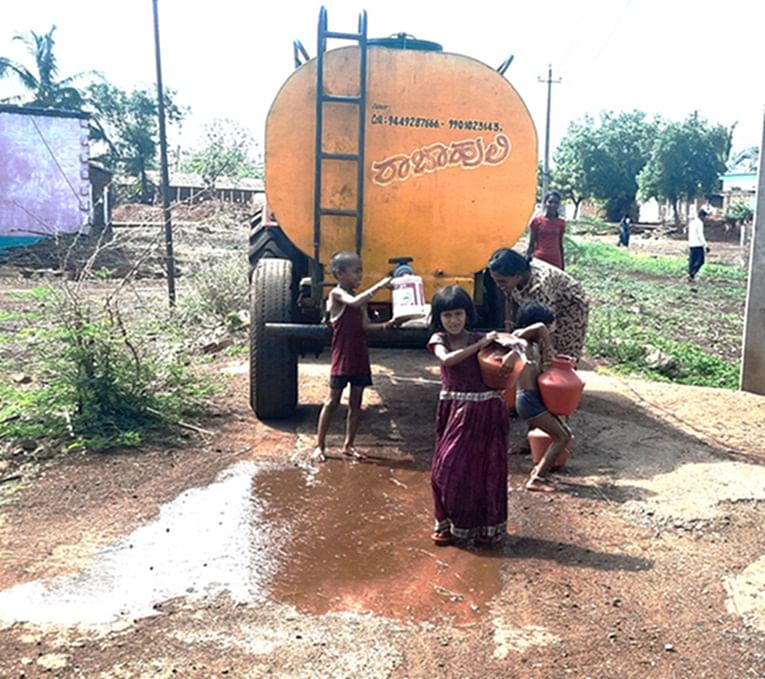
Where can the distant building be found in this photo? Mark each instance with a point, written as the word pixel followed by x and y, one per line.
pixel 45 175
pixel 739 187
pixel 186 187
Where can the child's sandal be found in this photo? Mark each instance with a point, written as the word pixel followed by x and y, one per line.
pixel 442 538
pixel 539 484
pixel 353 454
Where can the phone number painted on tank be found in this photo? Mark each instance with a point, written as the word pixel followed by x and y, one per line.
pixel 480 125
pixel 405 121
pixel 453 123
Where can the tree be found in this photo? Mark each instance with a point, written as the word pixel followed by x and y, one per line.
pixel 570 176
pixel 602 159
pixel 127 124
pixel 229 150
pixel 686 161
pixel 40 81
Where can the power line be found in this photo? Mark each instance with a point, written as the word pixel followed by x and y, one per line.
pixel 575 39
pixel 610 35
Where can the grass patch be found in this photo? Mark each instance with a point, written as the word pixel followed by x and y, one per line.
pixel 10 489
pixel 235 350
pixel 16 316
pixel 611 259
pixel 39 294
pixel 646 320
pixel 593 226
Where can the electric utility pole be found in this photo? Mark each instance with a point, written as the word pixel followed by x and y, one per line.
pixel 546 168
pixel 753 351
pixel 165 188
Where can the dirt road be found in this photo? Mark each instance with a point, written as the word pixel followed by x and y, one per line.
pixel 226 555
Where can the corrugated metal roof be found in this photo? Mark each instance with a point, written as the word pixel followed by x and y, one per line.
pixel 181 179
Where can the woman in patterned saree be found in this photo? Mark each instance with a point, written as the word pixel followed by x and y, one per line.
pixel 525 280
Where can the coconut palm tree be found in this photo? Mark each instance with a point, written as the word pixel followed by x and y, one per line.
pixel 41 82
pixel 745 161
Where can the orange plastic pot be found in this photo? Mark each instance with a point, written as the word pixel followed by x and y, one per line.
pixel 539 442
pixel 490 361
pixel 560 387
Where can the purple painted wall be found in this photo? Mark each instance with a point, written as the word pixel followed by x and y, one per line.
pixel 44 182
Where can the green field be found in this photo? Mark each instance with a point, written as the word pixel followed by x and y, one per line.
pixel 646 319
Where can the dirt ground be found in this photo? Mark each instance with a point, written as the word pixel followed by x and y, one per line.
pixel 223 553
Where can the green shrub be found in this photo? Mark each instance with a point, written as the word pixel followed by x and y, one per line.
pixel 99 381
pixel 218 288
pixel 738 212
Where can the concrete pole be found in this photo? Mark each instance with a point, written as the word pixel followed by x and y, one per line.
pixel 546 175
pixel 742 241
pixel 753 353
pixel 546 167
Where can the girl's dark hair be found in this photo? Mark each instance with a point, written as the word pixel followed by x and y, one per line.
pixel 507 262
pixel 553 192
pixel 534 312
pixel 448 299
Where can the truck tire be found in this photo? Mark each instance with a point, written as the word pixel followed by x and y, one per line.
pixel 273 361
pixel 271 241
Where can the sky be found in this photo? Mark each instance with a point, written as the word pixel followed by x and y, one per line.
pixel 228 58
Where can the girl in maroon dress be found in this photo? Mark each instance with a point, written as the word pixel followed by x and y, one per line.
pixel 469 474
pixel 546 232
pixel 350 353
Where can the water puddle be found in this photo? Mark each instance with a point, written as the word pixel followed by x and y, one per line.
pixel 345 537
pixel 357 538
pixel 205 541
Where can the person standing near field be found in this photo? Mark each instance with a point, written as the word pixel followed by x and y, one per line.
pixel 697 245
pixel 624 231
pixel 546 232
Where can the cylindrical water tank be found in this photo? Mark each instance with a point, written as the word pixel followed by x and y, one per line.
pixel 450 160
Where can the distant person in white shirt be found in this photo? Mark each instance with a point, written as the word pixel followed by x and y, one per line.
pixel 697 245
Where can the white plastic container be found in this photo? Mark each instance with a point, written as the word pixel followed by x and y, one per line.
pixel 408 297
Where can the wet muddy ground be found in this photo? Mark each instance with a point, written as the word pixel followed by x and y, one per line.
pixel 229 555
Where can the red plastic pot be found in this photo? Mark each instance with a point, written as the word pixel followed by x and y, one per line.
pixel 539 442
pixel 560 387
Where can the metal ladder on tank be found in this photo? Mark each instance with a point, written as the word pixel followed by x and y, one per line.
pixel 359 100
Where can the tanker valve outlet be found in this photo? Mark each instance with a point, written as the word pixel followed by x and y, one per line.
pixel 402 266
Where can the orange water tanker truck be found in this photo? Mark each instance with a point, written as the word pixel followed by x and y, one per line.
pixel 418 159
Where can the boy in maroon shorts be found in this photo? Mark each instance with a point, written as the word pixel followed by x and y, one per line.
pixel 350 354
